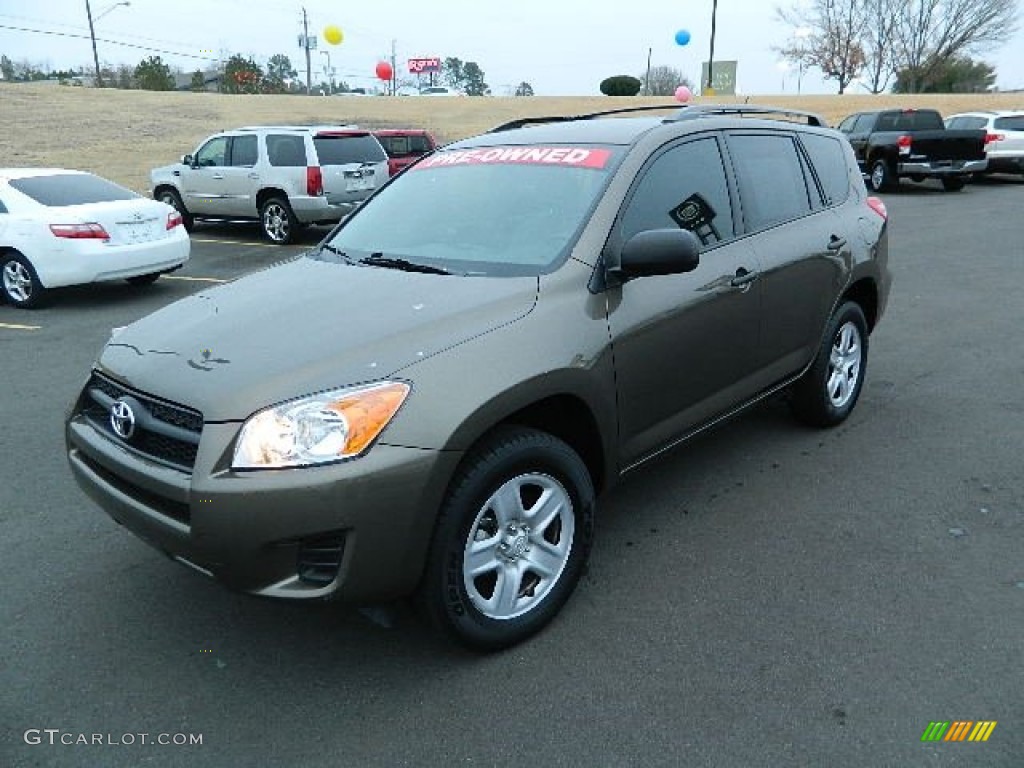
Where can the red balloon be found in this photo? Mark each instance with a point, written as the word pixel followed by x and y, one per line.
pixel 384 71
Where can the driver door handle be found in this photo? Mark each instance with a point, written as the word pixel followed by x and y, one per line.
pixel 217 176
pixel 836 243
pixel 743 278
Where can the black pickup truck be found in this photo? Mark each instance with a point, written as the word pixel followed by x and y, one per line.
pixel 913 143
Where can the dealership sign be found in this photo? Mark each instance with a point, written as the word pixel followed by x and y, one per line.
pixel 425 65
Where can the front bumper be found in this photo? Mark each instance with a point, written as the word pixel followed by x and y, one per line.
pixel 357 530
pixel 940 168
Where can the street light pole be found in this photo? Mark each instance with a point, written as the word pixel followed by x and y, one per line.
pixel 95 56
pixel 330 69
pixel 710 90
pixel 92 34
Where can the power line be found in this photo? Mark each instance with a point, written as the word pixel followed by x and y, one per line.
pixel 110 42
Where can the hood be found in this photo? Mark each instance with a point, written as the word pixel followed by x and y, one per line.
pixel 302 327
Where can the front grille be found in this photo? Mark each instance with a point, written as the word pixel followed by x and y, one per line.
pixel 165 432
pixel 320 558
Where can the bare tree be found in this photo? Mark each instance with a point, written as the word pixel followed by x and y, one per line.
pixel 883 21
pixel 834 40
pixel 932 31
pixel 664 81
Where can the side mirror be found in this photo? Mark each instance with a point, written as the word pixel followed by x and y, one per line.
pixel 187 160
pixel 659 252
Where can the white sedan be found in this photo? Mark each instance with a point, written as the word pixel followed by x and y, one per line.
pixel 60 227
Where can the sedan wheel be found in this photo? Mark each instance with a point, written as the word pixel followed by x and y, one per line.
pixel 21 285
pixel 511 540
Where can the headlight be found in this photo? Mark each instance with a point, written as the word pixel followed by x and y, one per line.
pixel 318 429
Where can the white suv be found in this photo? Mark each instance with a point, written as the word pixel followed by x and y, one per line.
pixel 282 176
pixel 1004 137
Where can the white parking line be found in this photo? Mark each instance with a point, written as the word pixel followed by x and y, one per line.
pixel 17 327
pixel 195 279
pixel 238 242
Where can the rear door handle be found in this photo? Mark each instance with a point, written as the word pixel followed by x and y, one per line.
pixel 836 243
pixel 254 175
pixel 217 176
pixel 743 278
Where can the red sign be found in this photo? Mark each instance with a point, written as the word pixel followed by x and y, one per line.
pixel 575 157
pixel 420 66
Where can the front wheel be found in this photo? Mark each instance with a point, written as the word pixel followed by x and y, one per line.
pixel 277 221
pixel 511 541
pixel 173 199
pixel 828 391
pixel 953 183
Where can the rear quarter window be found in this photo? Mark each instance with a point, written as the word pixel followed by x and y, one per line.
pixel 71 189
pixel 286 151
pixel 828 156
pixel 344 150
pixel 1012 123
pixel 3 208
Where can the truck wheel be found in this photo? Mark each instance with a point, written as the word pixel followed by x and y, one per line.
pixel 19 281
pixel 882 177
pixel 828 391
pixel 173 199
pixel 511 540
pixel 277 221
pixel 953 183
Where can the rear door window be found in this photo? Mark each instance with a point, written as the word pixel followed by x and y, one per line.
pixel 348 149
pixel 828 156
pixel 71 189
pixel 286 150
pixel 773 187
pixel 243 150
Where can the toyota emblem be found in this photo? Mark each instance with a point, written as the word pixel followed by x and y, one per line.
pixel 122 419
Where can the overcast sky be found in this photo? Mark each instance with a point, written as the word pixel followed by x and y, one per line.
pixel 561 47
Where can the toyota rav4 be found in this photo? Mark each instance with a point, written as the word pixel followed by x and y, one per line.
pixel 429 402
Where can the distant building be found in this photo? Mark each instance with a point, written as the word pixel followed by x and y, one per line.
pixel 211 81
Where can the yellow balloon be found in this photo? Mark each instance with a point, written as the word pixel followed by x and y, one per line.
pixel 332 35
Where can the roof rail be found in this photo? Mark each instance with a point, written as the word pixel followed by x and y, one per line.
pixel 524 121
pixel 705 110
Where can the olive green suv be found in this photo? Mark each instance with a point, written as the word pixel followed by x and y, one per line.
pixel 429 402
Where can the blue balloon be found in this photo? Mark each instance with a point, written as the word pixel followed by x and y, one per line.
pixel 682 37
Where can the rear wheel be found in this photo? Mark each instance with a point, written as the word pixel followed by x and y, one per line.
pixel 828 391
pixel 882 177
pixel 953 183
pixel 19 281
pixel 277 221
pixel 511 541
pixel 173 199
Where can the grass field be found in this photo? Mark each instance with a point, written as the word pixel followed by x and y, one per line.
pixel 122 134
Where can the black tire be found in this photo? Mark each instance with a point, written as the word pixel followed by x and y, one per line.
pixel 953 183
pixel 827 393
pixel 881 178
pixel 277 221
pixel 140 280
pixel 19 282
pixel 530 466
pixel 173 199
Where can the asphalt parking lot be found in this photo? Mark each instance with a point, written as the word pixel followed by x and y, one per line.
pixel 766 596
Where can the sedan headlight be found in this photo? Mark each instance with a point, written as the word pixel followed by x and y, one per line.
pixel 318 429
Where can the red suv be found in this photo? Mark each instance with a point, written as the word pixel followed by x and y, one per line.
pixel 404 146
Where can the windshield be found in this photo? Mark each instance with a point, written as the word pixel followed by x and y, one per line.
pixel 492 211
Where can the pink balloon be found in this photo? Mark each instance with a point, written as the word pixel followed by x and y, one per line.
pixel 683 94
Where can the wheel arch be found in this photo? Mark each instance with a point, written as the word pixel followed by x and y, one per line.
pixel 864 292
pixel 268 192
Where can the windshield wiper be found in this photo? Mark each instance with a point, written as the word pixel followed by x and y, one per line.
pixel 389 262
pixel 337 251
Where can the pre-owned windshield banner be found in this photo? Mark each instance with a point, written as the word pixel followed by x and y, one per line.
pixel 574 157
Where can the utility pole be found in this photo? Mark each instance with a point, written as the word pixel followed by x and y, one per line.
pixel 647 80
pixel 305 44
